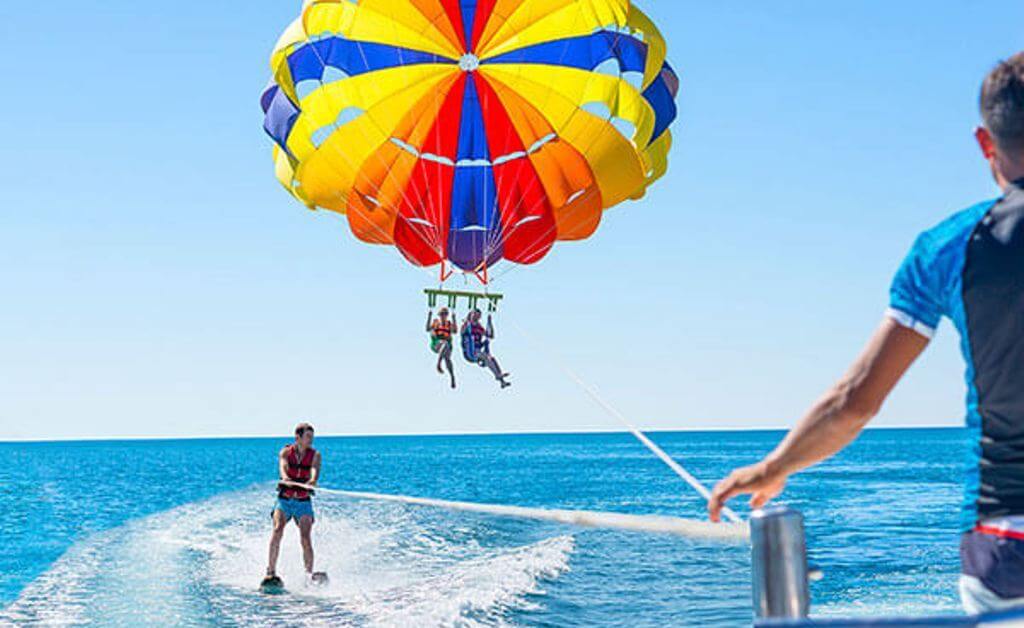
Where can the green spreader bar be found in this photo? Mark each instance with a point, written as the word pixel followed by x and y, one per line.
pixel 453 296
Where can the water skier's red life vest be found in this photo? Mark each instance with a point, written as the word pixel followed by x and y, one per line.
pixel 298 470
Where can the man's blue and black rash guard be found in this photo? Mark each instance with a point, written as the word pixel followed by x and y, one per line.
pixel 970 269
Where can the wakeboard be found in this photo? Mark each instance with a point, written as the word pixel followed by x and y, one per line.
pixel 272 585
pixel 319 578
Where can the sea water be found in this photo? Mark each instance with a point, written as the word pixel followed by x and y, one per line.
pixel 175 532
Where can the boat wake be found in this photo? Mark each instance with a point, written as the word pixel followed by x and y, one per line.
pixel 389 565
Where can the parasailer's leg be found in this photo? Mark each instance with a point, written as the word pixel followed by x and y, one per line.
pixel 492 363
pixel 446 355
pixel 443 349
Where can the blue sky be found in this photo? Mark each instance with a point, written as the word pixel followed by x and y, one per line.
pixel 158 282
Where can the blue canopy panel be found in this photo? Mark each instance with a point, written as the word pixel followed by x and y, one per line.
pixel 661 95
pixel 468 9
pixel 586 52
pixel 310 61
pixel 591 51
pixel 474 237
pixel 352 57
pixel 280 114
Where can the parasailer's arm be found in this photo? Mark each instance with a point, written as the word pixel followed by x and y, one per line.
pixel 833 422
pixel 490 327
pixel 430 319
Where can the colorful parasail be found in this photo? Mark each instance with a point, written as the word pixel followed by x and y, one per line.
pixel 466 132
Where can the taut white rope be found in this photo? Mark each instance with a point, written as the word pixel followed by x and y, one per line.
pixel 647 442
pixel 677 526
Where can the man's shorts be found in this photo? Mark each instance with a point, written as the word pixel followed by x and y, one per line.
pixel 992 561
pixel 294 508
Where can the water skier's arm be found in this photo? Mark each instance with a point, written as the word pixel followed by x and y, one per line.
pixel 282 464
pixel 314 475
pixel 833 422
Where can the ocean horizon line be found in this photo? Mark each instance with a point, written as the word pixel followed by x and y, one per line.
pixel 440 434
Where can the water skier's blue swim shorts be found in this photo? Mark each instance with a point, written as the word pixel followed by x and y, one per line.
pixel 294 508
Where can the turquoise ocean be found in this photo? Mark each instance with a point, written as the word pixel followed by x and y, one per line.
pixel 174 532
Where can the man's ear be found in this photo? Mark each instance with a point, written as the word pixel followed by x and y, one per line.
pixel 985 142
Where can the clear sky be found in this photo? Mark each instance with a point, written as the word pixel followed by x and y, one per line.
pixel 157 281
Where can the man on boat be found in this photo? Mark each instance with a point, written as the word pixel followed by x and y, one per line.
pixel 476 345
pixel 297 463
pixel 441 331
pixel 970 269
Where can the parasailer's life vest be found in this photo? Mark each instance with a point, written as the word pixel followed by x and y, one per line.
pixel 299 470
pixel 474 342
pixel 443 330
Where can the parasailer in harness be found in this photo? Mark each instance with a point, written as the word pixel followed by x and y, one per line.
pixel 476 345
pixel 298 463
pixel 441 331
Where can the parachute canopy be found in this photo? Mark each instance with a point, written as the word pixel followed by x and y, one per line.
pixel 470 131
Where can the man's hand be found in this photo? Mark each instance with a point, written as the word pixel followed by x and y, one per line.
pixel 756 480
pixel 833 422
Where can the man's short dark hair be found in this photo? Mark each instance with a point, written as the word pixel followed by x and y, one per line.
pixel 302 428
pixel 1002 103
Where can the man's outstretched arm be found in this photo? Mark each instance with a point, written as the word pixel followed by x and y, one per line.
pixel 833 422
